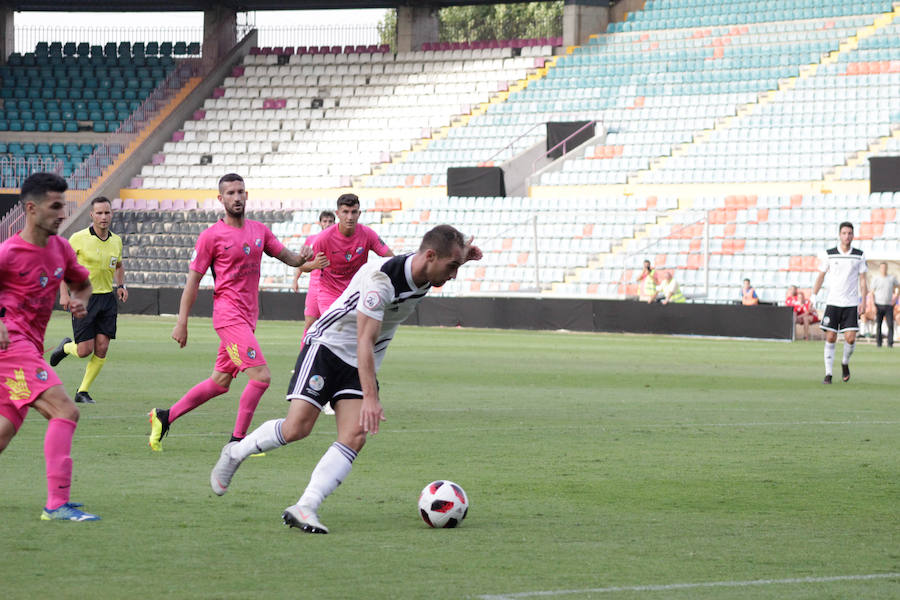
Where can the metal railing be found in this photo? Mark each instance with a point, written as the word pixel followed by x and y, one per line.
pixel 308 35
pixel 28 37
pixel 563 144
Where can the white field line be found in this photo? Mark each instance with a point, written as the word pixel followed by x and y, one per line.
pixel 689 586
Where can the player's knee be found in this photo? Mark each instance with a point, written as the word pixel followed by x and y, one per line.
pixel 355 440
pixel 296 429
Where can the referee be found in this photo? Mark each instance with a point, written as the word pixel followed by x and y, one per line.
pixel 99 250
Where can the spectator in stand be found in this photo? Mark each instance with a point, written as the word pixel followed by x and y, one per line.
pixel 885 290
pixel 806 313
pixel 648 288
pixel 748 294
pixel 671 291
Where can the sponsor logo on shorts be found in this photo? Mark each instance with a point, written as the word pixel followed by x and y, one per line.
pixel 246 248
pixel 316 382
pixel 18 387
pixel 372 300
pixel 826 320
pixel 251 352
pixel 234 354
pixel 41 374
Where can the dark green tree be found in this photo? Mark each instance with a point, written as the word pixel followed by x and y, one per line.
pixel 501 21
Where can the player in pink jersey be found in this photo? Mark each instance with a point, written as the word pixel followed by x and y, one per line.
pixel 232 249
pixel 314 268
pixel 33 264
pixel 347 249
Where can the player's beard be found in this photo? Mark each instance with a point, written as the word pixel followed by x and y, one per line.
pixel 235 213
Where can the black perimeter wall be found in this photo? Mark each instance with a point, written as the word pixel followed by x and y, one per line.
pixel 725 320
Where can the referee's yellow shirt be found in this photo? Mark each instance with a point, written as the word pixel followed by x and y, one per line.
pixel 99 257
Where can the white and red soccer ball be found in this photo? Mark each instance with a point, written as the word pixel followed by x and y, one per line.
pixel 443 504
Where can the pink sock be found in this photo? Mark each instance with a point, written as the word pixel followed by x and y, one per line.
pixel 249 400
pixel 200 393
pixel 57 455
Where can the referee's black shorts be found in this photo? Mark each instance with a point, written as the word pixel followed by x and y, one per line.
pixel 102 310
pixel 840 318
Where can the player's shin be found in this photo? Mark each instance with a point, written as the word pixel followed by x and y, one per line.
pixel 332 469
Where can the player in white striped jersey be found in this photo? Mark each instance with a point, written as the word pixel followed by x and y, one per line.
pixel 846 269
pixel 340 357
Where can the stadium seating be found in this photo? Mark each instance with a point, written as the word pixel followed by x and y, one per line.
pixel 337 114
pixel 19 159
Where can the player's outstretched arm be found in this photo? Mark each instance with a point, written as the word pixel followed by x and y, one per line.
pixel 188 297
pixel 295 259
pixel 371 413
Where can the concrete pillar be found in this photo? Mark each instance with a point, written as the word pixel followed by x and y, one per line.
pixel 583 18
pixel 7 33
pixel 219 31
pixel 416 25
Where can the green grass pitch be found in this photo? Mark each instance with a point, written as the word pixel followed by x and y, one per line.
pixel 598 466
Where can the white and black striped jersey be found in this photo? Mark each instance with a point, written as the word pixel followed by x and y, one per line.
pixel 382 289
pixel 842 273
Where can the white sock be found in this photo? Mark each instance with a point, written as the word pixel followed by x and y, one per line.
pixel 829 357
pixel 848 351
pixel 262 439
pixel 333 468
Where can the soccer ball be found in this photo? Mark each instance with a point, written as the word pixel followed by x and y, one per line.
pixel 443 504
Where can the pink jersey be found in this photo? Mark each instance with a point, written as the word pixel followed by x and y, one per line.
pixel 315 273
pixel 346 255
pixel 29 279
pixel 234 255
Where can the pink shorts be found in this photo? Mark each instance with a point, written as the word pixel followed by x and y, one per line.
pixel 24 376
pixel 311 308
pixel 238 350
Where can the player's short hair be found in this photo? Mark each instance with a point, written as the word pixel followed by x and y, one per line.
pixel 845 224
pixel 327 214
pixel 35 188
pixel 442 239
pixel 347 200
pixel 228 178
pixel 100 200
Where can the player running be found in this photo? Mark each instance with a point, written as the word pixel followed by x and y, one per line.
pixel 314 268
pixel 33 264
pixel 99 250
pixel 232 249
pixel 338 363
pixel 846 270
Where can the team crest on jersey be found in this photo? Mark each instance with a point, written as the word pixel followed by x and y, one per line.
pixel 43 279
pixel 41 374
pixel 372 300
pixel 258 243
pixel 58 273
pixel 316 382
pixel 246 248
pixel 251 353
pixel 348 256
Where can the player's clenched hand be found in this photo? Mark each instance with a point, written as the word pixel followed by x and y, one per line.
pixel 77 308
pixel 370 415
pixel 179 334
pixel 4 337
pixel 306 253
pixel 321 261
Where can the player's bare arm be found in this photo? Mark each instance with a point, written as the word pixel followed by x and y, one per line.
pixel 863 291
pixel 79 295
pixel 817 286
pixel 64 296
pixel 121 290
pixel 295 259
pixel 371 413
pixel 188 297
pixel 4 337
